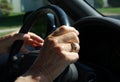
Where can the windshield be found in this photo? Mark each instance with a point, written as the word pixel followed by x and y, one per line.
pixel 109 8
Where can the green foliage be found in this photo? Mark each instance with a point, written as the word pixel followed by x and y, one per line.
pixel 40 27
pixel 3 1
pixel 5 7
pixel 11 21
pixel 110 10
pixel 98 3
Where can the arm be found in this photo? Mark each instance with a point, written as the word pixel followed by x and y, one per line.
pixel 55 55
pixel 31 78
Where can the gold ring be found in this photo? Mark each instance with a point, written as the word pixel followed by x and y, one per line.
pixel 74 47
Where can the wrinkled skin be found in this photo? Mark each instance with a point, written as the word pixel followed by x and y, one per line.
pixel 55 55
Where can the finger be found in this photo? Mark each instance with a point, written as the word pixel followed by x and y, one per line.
pixel 64 46
pixel 33 43
pixel 69 47
pixel 68 37
pixel 22 36
pixel 64 29
pixel 29 39
pixel 35 37
pixel 24 50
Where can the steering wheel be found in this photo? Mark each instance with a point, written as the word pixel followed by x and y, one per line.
pixel 56 17
pixel 100 46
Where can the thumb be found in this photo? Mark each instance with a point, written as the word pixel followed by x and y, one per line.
pixel 24 50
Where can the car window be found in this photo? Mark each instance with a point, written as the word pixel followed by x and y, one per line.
pixel 107 7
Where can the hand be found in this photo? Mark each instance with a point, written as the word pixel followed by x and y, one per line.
pixel 56 54
pixel 30 39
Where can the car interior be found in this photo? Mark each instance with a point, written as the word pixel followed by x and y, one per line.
pixel 99 42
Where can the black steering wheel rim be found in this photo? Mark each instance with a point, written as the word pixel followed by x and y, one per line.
pixel 60 16
pixel 59 19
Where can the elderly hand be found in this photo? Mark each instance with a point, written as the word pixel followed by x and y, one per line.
pixel 30 39
pixel 59 50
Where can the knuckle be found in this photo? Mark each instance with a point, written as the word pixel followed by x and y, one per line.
pixel 58 49
pixel 63 28
pixel 52 41
pixel 74 34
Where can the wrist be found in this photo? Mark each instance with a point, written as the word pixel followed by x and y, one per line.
pixel 39 74
pixel 36 74
pixel 30 77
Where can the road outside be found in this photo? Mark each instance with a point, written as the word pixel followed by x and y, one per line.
pixel 7 31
